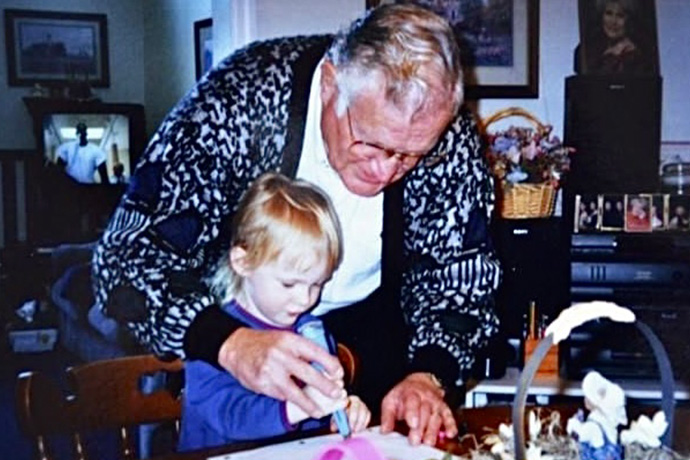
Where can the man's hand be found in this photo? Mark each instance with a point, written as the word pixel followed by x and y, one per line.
pixel 267 362
pixel 418 401
pixel 326 405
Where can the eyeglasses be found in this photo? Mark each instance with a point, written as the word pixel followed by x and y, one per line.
pixel 369 150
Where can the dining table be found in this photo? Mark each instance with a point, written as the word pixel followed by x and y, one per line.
pixel 473 425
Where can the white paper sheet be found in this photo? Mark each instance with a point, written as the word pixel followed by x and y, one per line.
pixel 394 446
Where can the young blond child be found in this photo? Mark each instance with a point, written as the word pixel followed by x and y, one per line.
pixel 286 244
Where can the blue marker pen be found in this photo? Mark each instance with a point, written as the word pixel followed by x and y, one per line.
pixel 313 330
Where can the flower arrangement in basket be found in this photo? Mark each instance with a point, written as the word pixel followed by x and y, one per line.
pixel 528 162
pixel 604 433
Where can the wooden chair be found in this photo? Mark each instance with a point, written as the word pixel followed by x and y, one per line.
pixel 104 395
pixel 350 363
pixel 107 395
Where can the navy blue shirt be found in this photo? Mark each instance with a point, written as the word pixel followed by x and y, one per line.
pixel 218 410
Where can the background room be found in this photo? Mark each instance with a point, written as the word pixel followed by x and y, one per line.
pixel 154 57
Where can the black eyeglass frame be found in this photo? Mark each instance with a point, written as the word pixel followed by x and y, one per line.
pixel 426 159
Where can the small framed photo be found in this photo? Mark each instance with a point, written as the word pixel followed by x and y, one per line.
pixel 659 212
pixel 679 212
pixel 203 46
pixel 587 213
pixel 50 47
pixel 638 212
pixel 618 37
pixel 612 212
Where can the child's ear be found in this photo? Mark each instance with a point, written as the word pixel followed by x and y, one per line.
pixel 238 261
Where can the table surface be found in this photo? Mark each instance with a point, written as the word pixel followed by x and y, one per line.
pixel 471 422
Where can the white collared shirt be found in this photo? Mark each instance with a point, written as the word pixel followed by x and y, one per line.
pixel 361 218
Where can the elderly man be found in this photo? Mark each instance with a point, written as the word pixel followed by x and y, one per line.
pixel 374 109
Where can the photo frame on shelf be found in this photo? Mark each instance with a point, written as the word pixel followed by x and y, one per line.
pixel 612 212
pixel 499 43
pixel 587 213
pixel 638 212
pixel 659 212
pixel 203 46
pixel 618 37
pixel 679 212
pixel 56 48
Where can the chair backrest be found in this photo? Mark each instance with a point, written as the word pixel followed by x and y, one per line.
pixel 350 362
pixel 108 394
pixel 103 395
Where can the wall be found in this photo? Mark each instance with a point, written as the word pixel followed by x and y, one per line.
pixel 169 51
pixel 162 31
pixel 559 34
pixel 152 60
pixel 126 50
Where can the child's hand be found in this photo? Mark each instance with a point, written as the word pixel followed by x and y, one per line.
pixel 326 405
pixel 358 414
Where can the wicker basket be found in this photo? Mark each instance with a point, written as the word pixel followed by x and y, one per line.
pixel 522 201
pixel 525 201
pixel 478 422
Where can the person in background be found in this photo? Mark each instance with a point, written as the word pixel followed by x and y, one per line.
pixel 81 159
pixel 286 244
pixel 374 117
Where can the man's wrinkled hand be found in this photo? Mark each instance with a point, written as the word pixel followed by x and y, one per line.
pixel 418 400
pixel 268 362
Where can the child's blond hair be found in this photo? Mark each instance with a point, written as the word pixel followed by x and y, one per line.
pixel 280 216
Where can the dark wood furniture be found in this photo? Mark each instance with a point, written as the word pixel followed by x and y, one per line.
pixel 59 208
pixel 473 424
pixel 105 395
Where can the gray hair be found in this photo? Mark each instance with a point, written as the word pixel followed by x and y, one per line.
pixel 412 47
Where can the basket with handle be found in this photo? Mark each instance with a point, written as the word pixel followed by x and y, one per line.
pixel 523 200
pixel 560 329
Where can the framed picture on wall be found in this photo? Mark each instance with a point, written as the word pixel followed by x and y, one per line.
pixel 499 44
pixel 56 48
pixel 618 37
pixel 203 46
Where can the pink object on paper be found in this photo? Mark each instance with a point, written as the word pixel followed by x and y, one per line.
pixel 351 449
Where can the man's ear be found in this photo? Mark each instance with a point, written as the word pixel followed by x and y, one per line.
pixel 238 261
pixel 329 84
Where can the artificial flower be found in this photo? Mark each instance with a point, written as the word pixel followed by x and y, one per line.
pixel 645 431
pixel 525 155
pixel 534 425
pixel 585 431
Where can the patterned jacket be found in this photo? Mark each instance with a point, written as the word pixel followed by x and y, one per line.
pixel 246 117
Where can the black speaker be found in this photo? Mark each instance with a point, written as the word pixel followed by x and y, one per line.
pixel 615 125
pixel 535 258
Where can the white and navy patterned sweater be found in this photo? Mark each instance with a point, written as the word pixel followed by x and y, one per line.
pixel 246 117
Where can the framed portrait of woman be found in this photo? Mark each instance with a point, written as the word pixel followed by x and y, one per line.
pixel 638 216
pixel 618 37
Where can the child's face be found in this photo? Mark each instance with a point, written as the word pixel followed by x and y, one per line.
pixel 278 292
